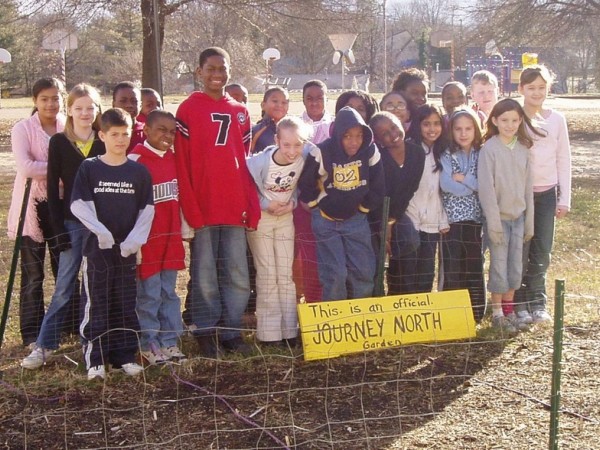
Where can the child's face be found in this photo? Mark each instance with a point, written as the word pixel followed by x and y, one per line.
pixel 129 100
pixel 396 104
pixel 352 140
pixel 276 106
pixel 508 124
pixel 48 103
pixel 150 102
pixel 534 93
pixel 84 112
pixel 416 93
pixel 214 74
pixel 463 132
pixel 359 106
pixel 237 93
pixel 387 134
pixel 453 97
pixel 431 129
pixel 116 140
pixel 485 95
pixel 161 134
pixel 314 100
pixel 290 145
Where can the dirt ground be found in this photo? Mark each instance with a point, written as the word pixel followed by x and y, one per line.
pixel 489 393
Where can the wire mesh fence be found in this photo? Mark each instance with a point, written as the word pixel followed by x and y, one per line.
pixel 492 390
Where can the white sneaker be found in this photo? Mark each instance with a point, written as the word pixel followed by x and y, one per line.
pixel 524 317
pixel 155 357
pixel 132 369
pixel 517 323
pixel 36 359
pixel 173 353
pixel 541 316
pixel 96 372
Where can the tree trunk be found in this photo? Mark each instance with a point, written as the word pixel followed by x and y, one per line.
pixel 150 53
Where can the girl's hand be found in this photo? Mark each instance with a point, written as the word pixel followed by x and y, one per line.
pixel 274 207
pixel 278 209
pixel 458 177
pixel 444 230
pixel 561 212
pixel 285 208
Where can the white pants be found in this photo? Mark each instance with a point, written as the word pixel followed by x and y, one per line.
pixel 272 246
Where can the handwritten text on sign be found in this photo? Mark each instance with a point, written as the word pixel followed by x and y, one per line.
pixel 332 329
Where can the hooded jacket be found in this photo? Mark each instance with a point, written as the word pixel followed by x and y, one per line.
pixel 338 184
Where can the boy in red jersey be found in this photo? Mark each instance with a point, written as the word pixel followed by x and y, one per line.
pixel 158 307
pixel 219 201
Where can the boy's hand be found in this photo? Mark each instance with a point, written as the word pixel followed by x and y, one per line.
pixel 128 248
pixel 105 241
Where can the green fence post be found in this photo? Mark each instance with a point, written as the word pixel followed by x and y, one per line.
pixel 559 309
pixel 385 215
pixel 15 259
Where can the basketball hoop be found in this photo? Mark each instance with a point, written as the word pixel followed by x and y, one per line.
pixel 5 57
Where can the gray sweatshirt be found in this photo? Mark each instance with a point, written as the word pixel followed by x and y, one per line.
pixel 505 184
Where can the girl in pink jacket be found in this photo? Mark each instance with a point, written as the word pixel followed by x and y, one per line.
pixel 30 139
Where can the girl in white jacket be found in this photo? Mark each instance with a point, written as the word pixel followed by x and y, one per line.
pixel 276 171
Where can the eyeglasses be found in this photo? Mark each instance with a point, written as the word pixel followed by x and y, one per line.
pixel 399 107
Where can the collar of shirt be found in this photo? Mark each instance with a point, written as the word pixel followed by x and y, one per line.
pixel 155 150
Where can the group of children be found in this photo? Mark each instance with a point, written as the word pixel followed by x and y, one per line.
pixel 118 192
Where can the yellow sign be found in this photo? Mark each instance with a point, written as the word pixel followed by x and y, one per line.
pixel 331 329
pixel 529 59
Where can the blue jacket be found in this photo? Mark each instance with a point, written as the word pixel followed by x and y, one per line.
pixel 461 199
pixel 341 185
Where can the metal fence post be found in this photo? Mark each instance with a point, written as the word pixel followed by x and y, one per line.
pixel 379 290
pixel 559 309
pixel 15 259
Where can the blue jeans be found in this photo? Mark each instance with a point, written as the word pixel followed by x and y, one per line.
pixel 220 282
pixel 345 256
pixel 505 260
pixel 66 283
pixel 536 253
pixel 159 310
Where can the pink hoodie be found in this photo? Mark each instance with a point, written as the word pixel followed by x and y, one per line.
pixel 30 149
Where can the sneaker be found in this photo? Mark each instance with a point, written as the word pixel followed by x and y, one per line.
pixel 208 346
pixel 36 359
pixel 516 322
pixel 96 372
pixel 173 353
pixel 237 345
pixel 541 316
pixel 503 323
pixel 155 357
pixel 131 369
pixel 524 317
